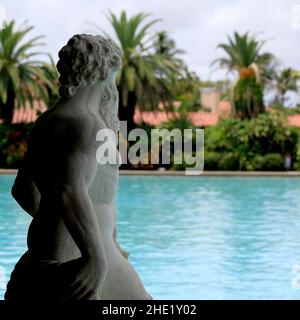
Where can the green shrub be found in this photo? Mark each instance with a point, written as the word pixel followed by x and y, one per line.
pixel 229 161
pixel 212 161
pixel 267 133
pixel 13 144
pixel 232 161
pixel 296 160
pixel 268 162
pixel 273 162
pixel 244 144
pixel 257 163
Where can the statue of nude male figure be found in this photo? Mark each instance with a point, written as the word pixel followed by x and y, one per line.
pixel 72 249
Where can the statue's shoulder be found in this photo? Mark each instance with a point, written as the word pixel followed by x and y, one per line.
pixel 60 117
pixel 60 125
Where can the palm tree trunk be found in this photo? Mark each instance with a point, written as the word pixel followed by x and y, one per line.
pixel 126 112
pixel 7 109
pixel 282 97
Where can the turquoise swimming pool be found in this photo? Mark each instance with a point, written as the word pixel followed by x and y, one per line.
pixel 195 237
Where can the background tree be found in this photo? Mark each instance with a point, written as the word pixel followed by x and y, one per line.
pixel 21 78
pixel 166 46
pixel 248 96
pixel 244 56
pixel 52 76
pixel 242 51
pixel 146 73
pixel 286 80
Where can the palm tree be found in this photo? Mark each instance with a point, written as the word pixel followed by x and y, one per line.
pixel 52 75
pixel 21 78
pixel 243 55
pixel 145 74
pixel 286 80
pixel 166 46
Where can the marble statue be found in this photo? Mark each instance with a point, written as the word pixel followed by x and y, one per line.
pixel 72 252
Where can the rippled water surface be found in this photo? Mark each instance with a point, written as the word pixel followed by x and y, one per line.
pixel 195 237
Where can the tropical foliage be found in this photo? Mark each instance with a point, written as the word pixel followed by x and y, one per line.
pixel 250 144
pixel 22 78
pixel 248 98
pixel 149 64
pixel 286 80
pixel 52 84
pixel 242 51
pixel 243 55
pixel 153 72
pixel 13 144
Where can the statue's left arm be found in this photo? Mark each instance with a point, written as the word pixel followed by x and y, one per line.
pixel 24 189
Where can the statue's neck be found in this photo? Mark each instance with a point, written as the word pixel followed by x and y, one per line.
pixel 101 99
pixel 88 97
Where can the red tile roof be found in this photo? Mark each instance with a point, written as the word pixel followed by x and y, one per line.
pixel 27 115
pixel 203 118
pixel 294 120
pixel 224 108
pixel 154 118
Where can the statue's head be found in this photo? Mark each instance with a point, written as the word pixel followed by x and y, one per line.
pixel 85 60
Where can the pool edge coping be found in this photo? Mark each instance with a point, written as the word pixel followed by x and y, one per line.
pixel 205 173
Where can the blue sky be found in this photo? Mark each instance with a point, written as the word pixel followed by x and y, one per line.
pixel 197 26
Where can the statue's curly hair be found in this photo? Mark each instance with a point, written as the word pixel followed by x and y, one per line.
pixel 84 60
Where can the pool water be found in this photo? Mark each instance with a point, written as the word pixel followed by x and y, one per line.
pixel 195 237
